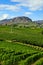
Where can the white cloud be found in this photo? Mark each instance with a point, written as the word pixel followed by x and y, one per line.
pixel 28 13
pixel 31 4
pixel 9 7
pixel 4 16
pixel 17 0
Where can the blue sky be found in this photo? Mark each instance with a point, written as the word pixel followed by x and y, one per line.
pixel 13 8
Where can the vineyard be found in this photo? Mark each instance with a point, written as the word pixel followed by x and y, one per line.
pixel 15 49
pixel 16 54
pixel 25 35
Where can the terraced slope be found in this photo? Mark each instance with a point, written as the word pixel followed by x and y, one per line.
pixel 12 53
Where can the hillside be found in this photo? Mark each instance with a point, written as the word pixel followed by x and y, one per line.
pixel 21 46
pixel 22 21
pixel 39 21
pixel 16 20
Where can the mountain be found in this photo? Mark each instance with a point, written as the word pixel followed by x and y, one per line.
pixel 22 21
pixel 16 20
pixel 39 21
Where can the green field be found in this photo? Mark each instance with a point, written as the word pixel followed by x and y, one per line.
pixel 15 49
pixel 25 35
